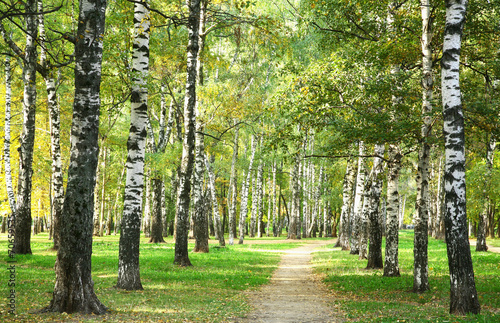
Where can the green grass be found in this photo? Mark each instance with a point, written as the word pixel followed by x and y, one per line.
pixel 493 242
pixel 367 296
pixel 210 291
pixel 215 288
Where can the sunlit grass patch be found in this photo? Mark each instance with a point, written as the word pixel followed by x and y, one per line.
pixel 368 296
pixel 210 291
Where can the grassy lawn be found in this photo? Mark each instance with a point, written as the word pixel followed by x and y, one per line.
pixel 210 291
pixel 213 290
pixel 366 296
pixel 493 242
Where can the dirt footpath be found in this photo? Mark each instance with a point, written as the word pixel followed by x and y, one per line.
pixel 293 295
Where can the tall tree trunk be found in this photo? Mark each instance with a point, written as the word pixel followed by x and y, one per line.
pixel 260 197
pixel 244 194
pixel 233 188
pixel 316 204
pixel 420 263
pixel 275 205
pixel 148 201
pixel 156 235
pixel 215 204
pixel 57 185
pixel 463 294
pixel 200 220
pixel 356 221
pixel 74 288
pixel 8 171
pixel 347 204
pixel 294 200
pixel 375 189
pixel 483 219
pixel 103 192
pixel 22 243
pixel 391 266
pixel 200 229
pixel 253 213
pixel 183 198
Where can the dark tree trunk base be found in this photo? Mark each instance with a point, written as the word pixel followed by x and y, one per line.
pixel 183 262
pixel 201 249
pixel 157 240
pixel 65 303
pixel 375 264
pixel 481 248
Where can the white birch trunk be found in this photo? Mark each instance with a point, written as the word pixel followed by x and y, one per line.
pixel 74 287
pixel 391 264
pixel 373 194
pixel 402 212
pixel 347 206
pixel 215 204
pixel 128 265
pixel 463 294
pixel 356 221
pixel 294 200
pixel 22 243
pixel 55 126
pixel 483 220
pixel 253 213
pixel 244 193
pixel 233 188
pixel 260 196
pixel 275 204
pixel 8 171
pixel 420 264
pixel 183 198
pixel 200 229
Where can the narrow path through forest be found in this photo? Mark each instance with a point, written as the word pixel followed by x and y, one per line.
pixel 293 295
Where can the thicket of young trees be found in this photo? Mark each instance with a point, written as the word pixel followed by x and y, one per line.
pixel 211 117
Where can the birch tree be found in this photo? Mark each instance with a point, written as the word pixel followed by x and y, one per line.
pixel 233 188
pixel 6 150
pixel 188 142
pixel 128 265
pixel 74 287
pixel 57 184
pixel 358 202
pixel 215 204
pixel 200 220
pixel 244 193
pixel 483 218
pixel 347 204
pixel 22 240
pixel 374 189
pixel 391 264
pixel 200 226
pixel 420 263
pixel 463 294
